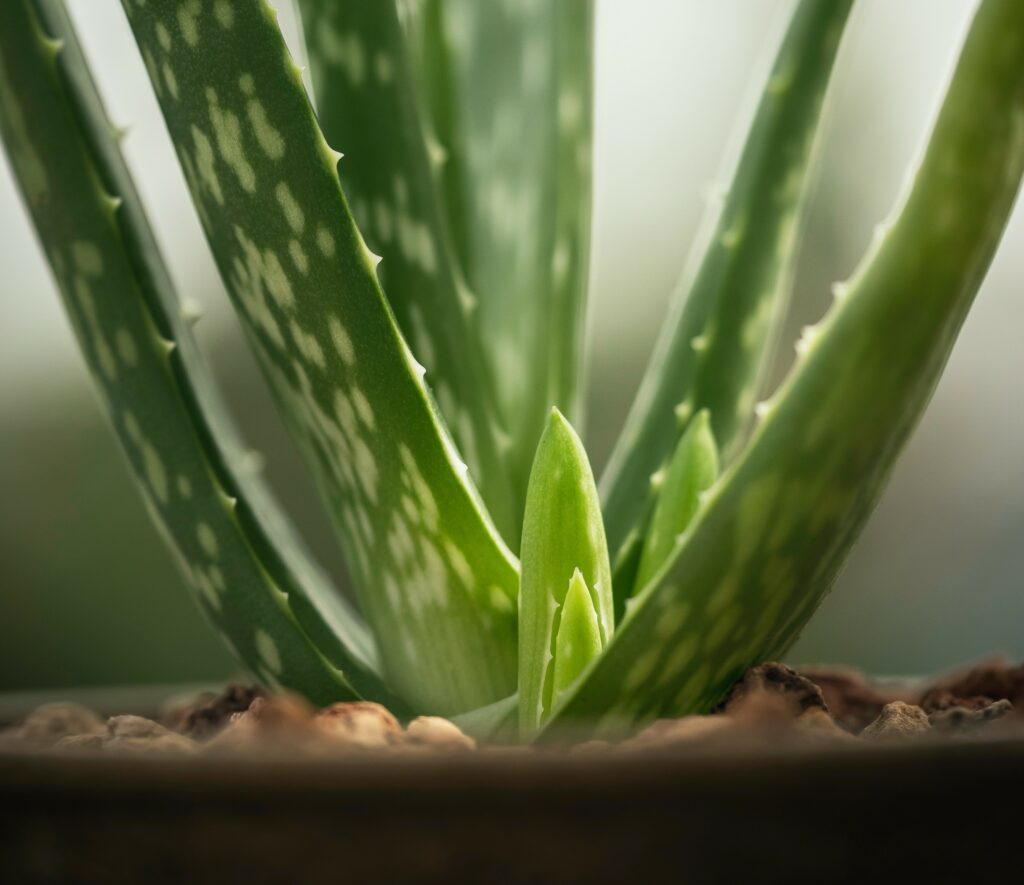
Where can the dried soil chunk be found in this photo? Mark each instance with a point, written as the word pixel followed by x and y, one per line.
pixel 977 686
pixel 897 720
pixel 770 690
pixel 134 727
pixel 359 724
pixel 961 720
pixel 852 699
pixel 136 734
pixel 46 725
pixel 278 722
pixel 208 714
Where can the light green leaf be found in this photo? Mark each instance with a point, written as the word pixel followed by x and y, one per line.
pixel 772 536
pixel 436 583
pixel 726 307
pixel 562 534
pixel 578 640
pixel 495 723
pixel 509 88
pixel 367 104
pixel 691 472
pixel 251 576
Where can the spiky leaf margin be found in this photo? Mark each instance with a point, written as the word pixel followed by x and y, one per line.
pixel 436 583
pixel 509 87
pixel 367 104
pixel 771 538
pixel 252 578
pixel 734 291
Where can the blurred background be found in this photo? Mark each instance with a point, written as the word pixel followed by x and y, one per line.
pixel 89 597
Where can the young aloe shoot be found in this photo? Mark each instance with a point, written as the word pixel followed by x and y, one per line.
pixel 417 313
pixel 692 470
pixel 565 585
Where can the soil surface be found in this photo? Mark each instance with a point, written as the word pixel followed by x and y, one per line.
pixel 771 703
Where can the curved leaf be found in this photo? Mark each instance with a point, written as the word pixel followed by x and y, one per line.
pixel 367 104
pixel 435 581
pixel 772 535
pixel 728 302
pixel 252 578
pixel 563 535
pixel 509 89
pixel 691 472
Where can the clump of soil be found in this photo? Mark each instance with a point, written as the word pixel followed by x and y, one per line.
pixel 771 703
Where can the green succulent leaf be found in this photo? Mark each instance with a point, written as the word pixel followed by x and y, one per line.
pixel 578 640
pixel 509 92
pixel 368 107
pixel 692 470
pixel 495 723
pixel 251 576
pixel 730 298
pixel 563 535
pixel 436 583
pixel 768 543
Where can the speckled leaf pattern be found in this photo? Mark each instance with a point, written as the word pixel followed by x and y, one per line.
pixel 726 307
pixel 367 104
pixel 562 535
pixel 509 89
pixel 436 582
pixel 252 578
pixel 774 531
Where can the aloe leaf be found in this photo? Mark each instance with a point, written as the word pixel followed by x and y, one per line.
pixel 509 91
pixel 367 104
pixel 731 296
pixel 692 470
pixel 494 723
pixel 276 610
pixel 774 531
pixel 436 583
pixel 578 640
pixel 562 535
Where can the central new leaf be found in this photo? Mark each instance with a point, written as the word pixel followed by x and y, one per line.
pixel 563 552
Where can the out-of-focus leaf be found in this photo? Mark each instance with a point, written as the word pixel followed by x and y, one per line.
pixel 509 88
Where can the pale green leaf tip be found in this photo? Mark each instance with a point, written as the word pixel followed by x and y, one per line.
pixel 578 640
pixel 691 471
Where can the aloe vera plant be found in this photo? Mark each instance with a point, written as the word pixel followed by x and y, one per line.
pixel 416 309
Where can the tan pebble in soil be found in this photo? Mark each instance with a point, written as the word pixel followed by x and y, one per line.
pixel 49 723
pixel 898 720
pixel 276 711
pixel 81 742
pixel 435 733
pixel 134 727
pixel 359 724
pixel 136 734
